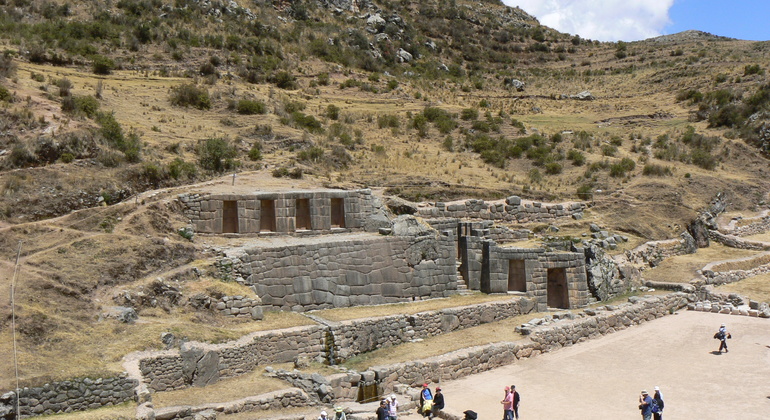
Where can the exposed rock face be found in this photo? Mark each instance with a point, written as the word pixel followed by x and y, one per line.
pixel 400 206
pixel 583 96
pixel 516 84
pixel 404 56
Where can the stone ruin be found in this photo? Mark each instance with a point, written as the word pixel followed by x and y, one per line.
pixel 342 248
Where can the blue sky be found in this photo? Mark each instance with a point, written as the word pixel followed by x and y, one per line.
pixel 632 20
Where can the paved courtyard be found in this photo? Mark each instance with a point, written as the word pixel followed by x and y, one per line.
pixel 602 378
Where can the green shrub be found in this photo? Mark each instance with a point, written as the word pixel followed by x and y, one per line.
pixel 750 69
pixel 577 157
pixel 448 144
pixel 294 106
pixel 469 114
pixel 388 120
pixel 652 169
pixel 312 154
pixel 535 176
pixel 609 150
pixel 102 65
pixel 179 169
pixel 332 112
pixel 585 192
pixel 249 107
pixel 67 157
pixel 217 154
pixel 255 153
pixel 620 169
pixel 190 95
pixel 5 95
pixel 307 122
pixel 80 105
pixel 285 80
pixel 553 168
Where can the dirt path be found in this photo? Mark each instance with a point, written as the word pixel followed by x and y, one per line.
pixel 601 379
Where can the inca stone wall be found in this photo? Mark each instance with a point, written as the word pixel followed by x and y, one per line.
pixel 277 400
pixel 207 213
pixel 201 364
pixel 653 253
pixel 74 395
pixel 748 226
pixel 546 338
pixel 537 262
pixel 738 242
pixel 512 209
pixel 363 271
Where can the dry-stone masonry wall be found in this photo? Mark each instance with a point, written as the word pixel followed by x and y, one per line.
pixel 200 364
pixel 512 209
pixel 277 400
pixel 474 360
pixel 538 264
pixel 653 253
pixel 748 226
pixel 67 396
pixel 210 213
pixel 240 306
pixel 711 276
pixel 364 270
pixel 738 242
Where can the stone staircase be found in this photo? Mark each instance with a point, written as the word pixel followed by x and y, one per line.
pixel 462 286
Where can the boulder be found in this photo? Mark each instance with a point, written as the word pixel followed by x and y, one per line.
pixel 583 96
pixel 515 84
pixel 403 56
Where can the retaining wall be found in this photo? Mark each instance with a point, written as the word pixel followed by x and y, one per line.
pixel 547 338
pixel 74 395
pixel 738 242
pixel 513 209
pixel 361 270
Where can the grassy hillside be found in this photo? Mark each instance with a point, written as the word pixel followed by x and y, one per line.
pixel 100 101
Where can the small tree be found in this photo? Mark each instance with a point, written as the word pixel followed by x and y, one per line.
pixel 217 154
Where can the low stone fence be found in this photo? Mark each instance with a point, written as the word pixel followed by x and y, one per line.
pixel 738 242
pixel 277 400
pixel 364 335
pixel 748 226
pixel 546 338
pixel 711 276
pixel 653 253
pixel 74 395
pixel 512 209
pixel 240 306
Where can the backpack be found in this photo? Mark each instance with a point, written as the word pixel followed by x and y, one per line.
pixel 719 335
pixel 654 405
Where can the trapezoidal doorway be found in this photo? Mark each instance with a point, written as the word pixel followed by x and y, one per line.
pixel 517 276
pixel 302 207
pixel 229 216
pixel 267 216
pixel 557 288
pixel 338 212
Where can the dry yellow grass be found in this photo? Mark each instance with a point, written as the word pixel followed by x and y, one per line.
pixel 126 411
pixel 742 264
pixel 682 268
pixel 755 288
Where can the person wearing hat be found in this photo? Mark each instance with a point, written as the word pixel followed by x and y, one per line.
pixel 438 402
pixel 645 405
pixel 722 335
pixel 393 408
pixel 382 410
pixel 657 405
pixel 426 400
pixel 323 416
pixel 507 403
pixel 339 413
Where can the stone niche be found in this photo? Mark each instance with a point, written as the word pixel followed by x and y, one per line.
pixel 291 212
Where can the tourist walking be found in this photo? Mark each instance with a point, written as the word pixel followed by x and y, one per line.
pixel 657 405
pixel 426 401
pixel 507 403
pixel 722 335
pixel 438 402
pixel 516 401
pixel 645 405
pixel 382 410
pixel 393 408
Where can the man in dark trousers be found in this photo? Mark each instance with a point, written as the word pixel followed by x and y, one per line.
pixel 438 402
pixel 516 400
pixel 382 411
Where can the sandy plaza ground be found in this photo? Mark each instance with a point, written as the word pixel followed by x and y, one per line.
pixel 602 378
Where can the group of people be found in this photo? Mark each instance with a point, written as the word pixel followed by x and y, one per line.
pixel 339 414
pixel 388 409
pixel 511 403
pixel 651 407
pixel 430 404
